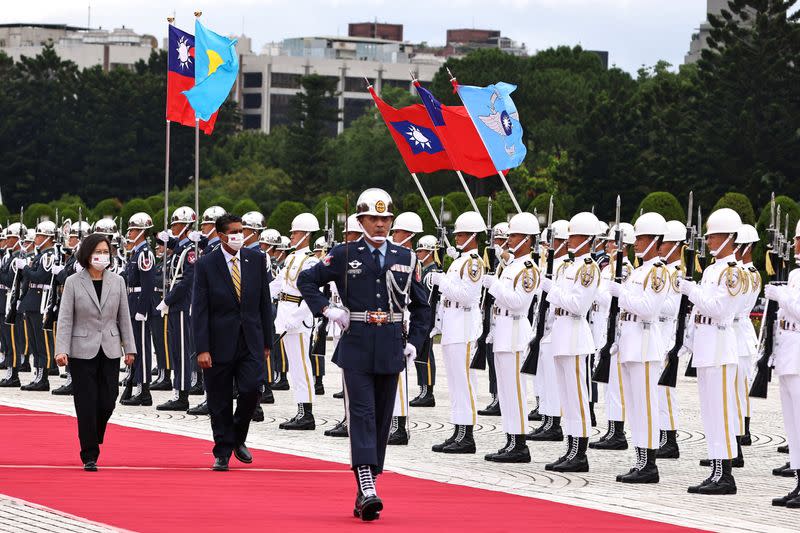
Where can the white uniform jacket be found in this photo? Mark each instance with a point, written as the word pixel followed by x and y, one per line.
pixel 572 295
pixel 459 303
pixel 513 294
pixel 641 299
pixel 786 355
pixel 285 286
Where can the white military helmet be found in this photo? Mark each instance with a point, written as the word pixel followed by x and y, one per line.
pixel 500 230
pixel 211 214
pixel 584 223
pixel 650 224
pixel 408 221
pixel 30 235
pixel 747 234
pixel 305 222
pixel 560 229
pixel 352 225
pixel 286 244
pixel 140 221
pixel 796 231
pixel 602 228
pixel 628 233
pixel 254 220
pixel 723 220
pixel 46 227
pixel 183 215
pixel 375 202
pixel 270 237
pixel 676 231
pixel 427 242
pixel 319 244
pixel 80 228
pixel 16 230
pixel 524 223
pixel 106 226
pixel 469 222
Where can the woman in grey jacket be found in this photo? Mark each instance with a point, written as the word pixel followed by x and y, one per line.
pixel 94 331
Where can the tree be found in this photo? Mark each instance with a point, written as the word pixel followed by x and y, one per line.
pixel 663 203
pixel 460 200
pixel 110 207
pixel 412 202
pixel 541 204
pixel 37 212
pixel 136 205
pixel 4 214
pixel 739 203
pixel 450 213
pixel 281 218
pixel 244 206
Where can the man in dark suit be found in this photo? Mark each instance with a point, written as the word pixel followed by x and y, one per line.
pixel 232 326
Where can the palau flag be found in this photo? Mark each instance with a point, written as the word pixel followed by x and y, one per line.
pixel 496 118
pixel 180 78
pixel 215 71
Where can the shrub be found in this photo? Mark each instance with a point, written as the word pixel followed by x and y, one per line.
pixel 663 203
pixel 110 207
pixel 739 203
pixel 281 217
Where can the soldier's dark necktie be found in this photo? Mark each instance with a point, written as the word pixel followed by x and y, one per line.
pixel 376 254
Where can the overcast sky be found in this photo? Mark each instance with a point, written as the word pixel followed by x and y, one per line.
pixel 634 32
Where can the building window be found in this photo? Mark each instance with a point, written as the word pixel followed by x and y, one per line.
pixel 354 108
pixel 355 85
pixel 285 81
pixel 279 105
pixel 253 80
pixel 251 122
pixel 252 100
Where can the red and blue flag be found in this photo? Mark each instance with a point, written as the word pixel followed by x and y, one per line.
pixel 180 77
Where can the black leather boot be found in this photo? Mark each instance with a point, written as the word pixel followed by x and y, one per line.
pixel 447 441
pixel 793 497
pixel 550 431
pixel 368 505
pixel 200 409
pixel 258 414
pixel 425 398
pixel 493 409
pixel 398 434
pixel 783 449
pixel 303 420
pixel 179 402
pixel 747 439
pixel 282 383
pixel 338 395
pixel 722 481
pixel 783 471
pixel 535 416
pixel 463 443
pixel 616 439
pixel 515 452
pixel 197 388
pixel 164 382
pixel 266 395
pixel 609 430
pixel 65 389
pixel 339 430
pixel 645 470
pixel 319 388
pixel 41 384
pixel 668 448
pixel 570 443
pixel 142 396
pixel 11 379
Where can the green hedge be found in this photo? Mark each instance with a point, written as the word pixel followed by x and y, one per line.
pixel 739 203
pixel 663 203
pixel 243 206
pixel 110 207
pixel 787 205
pixel 281 218
pixel 541 203
pixel 37 211
pixel 131 207
pixel 436 203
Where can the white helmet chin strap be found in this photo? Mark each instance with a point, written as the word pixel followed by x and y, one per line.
pixel 460 247
pixel 427 256
pixel 513 250
pixel 671 250
pixel 715 253
pixel 401 243
pixel 584 243
pixel 647 250
pixel 560 247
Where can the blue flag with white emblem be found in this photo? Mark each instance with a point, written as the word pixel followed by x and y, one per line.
pixel 215 71
pixel 496 118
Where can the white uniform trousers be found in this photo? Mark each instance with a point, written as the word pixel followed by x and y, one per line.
pixel 400 397
pixel 615 395
pixel 667 408
pixel 574 394
pixel 461 382
pixel 743 391
pixel 717 387
pixel 790 405
pixel 547 387
pixel 640 383
pixel 295 346
pixel 511 391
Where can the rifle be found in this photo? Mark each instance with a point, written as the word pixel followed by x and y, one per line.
pixel 531 362
pixel 13 295
pixel 669 377
pixel 54 296
pixel 479 360
pixel 700 264
pixel 441 236
pixel 601 372
pixel 766 336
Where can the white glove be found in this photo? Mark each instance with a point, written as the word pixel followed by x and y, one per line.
pixel 140 317
pixel 490 337
pixel 56 269
pixel 488 281
pixel 615 288
pixel 20 263
pixel 684 351
pixel 434 278
pixel 163 307
pixel 498 250
pixel 410 352
pixel 546 283
pixel 164 235
pixel 194 236
pixel 292 323
pixel 774 292
pixel 452 252
pixel 685 286
pixel 339 316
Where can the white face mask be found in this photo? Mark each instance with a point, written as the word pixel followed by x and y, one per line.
pixel 235 241
pixel 101 261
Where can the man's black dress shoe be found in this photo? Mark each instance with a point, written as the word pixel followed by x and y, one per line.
pixel 90 466
pixel 220 464
pixel 243 454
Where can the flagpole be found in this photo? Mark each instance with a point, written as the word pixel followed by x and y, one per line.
pixel 469 193
pixel 436 220
pixel 196 165
pixel 170 21
pixel 499 173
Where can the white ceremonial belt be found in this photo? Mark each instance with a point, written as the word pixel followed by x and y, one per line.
pixel 131 290
pixel 376 317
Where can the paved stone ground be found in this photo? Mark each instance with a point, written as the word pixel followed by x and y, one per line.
pixel 749 510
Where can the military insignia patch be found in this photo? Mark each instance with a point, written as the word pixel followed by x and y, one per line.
pixel 146 261
pixel 474 270
pixel 355 263
pixel 191 257
pixel 418 273
pixel 327 260
pixel 733 280
pixel 658 279
pixel 587 274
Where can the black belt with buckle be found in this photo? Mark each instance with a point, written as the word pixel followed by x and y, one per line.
pixel 290 298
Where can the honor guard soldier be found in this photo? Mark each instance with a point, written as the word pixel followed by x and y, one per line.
pixel 745 331
pixel 159 322
pixel 176 306
pixel 671 252
pixel 269 241
pixel 614 438
pixel 12 327
pixel 640 346
pixel 253 223
pixel 352 232
pixel 75 233
pixel 376 279
pixel 787 366
pixel 37 281
pixel 500 243
pixel 295 321
pixel 106 226
pixel 4 255
pixel 572 295
pixel 140 278
pixel 281 382
pixel 462 322
pixel 715 348
pixel 546 381
pixel 425 362
pixel 405 226
pixel 513 292
pixel 319 334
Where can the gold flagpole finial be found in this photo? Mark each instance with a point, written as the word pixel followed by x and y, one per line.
pixel 198 13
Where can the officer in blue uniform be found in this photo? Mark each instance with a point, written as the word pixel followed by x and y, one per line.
pixel 159 323
pixel 37 281
pixel 376 280
pixel 11 327
pixel 140 277
pixel 176 305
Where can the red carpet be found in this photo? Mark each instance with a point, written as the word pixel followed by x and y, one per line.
pixel 168 487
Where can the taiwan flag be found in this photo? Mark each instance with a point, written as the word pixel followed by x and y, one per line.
pixel 180 77
pixel 415 137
